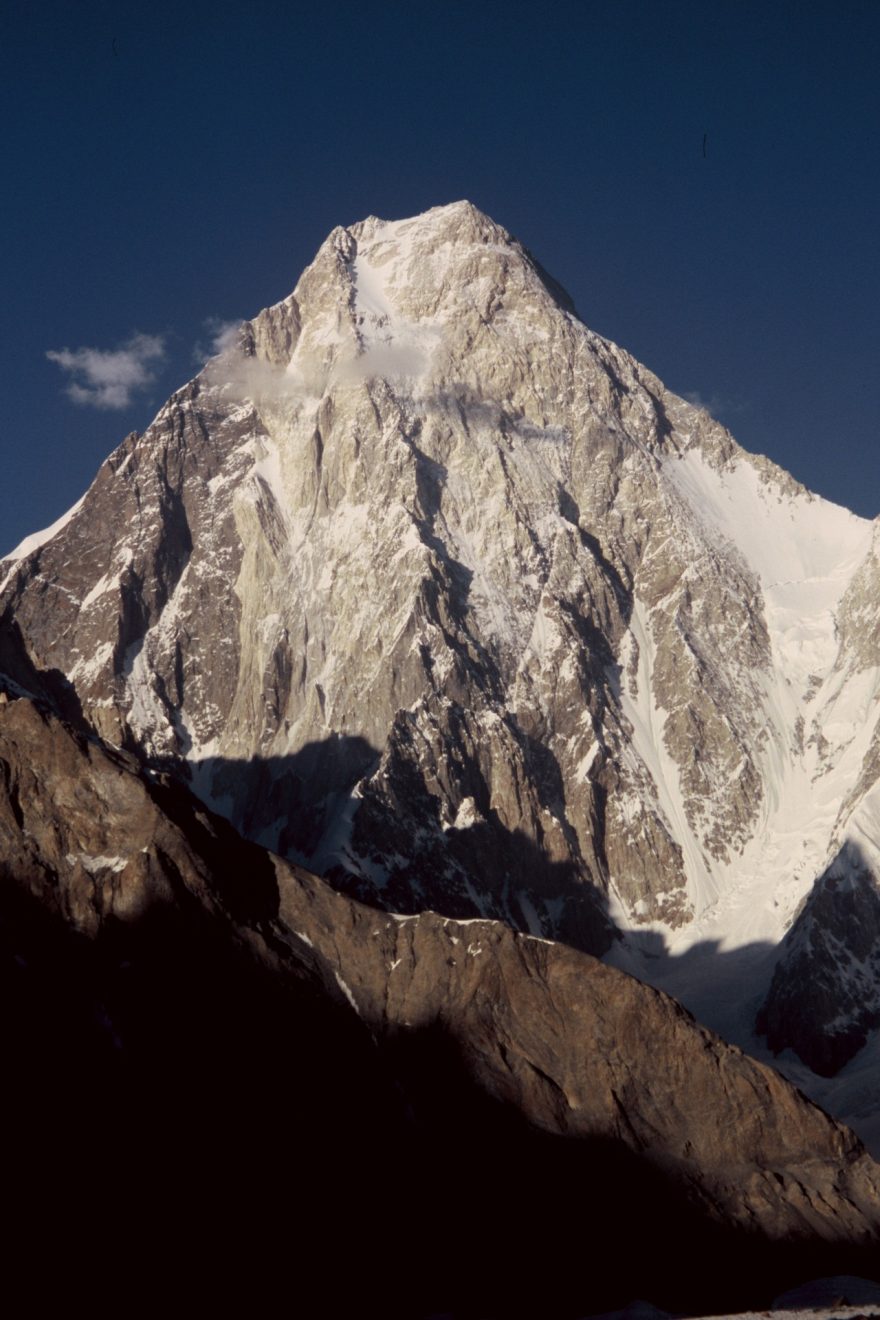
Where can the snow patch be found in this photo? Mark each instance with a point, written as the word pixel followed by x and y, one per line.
pixel 346 990
pixel 38 539
pixel 94 865
pixel 101 587
pixel 467 814
pixel 786 539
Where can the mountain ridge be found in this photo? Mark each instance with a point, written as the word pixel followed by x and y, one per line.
pixel 566 633
pixel 233 1022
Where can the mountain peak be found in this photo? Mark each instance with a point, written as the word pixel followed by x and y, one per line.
pixel 464 224
pixel 430 587
pixel 449 215
pixel 395 299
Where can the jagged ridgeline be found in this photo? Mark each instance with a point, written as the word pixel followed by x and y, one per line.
pixel 428 587
pixel 229 1084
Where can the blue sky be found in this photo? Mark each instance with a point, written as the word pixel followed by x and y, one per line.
pixel 703 178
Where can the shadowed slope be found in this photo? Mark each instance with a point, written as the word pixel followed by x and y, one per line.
pixel 255 1083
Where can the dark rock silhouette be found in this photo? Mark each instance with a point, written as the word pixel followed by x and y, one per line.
pixel 824 997
pixel 243 1083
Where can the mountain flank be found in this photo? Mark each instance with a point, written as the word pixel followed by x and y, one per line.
pixel 213 1003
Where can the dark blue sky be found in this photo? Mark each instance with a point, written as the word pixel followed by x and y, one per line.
pixel 169 163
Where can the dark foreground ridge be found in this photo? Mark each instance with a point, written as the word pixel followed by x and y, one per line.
pixel 228 1084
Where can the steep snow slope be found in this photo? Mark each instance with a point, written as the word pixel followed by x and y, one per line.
pixel 817 704
pixel 427 585
pixel 815 564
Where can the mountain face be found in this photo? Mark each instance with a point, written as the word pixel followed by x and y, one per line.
pixel 224 1052
pixel 427 587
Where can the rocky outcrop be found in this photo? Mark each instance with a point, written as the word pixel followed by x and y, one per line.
pixel 187 958
pixel 585 1051
pixel 824 998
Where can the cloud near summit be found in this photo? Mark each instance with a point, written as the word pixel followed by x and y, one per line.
pixel 108 378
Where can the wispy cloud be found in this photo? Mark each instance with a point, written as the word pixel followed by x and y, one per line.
pixel 222 335
pixel 108 378
pixel 245 377
pixel 714 404
pixel 392 360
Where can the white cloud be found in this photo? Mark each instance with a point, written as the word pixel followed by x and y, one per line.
pixel 223 335
pixel 710 405
pixel 244 377
pixel 715 404
pixel 391 359
pixel 107 378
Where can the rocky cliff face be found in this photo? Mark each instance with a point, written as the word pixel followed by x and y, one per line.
pixel 430 588
pixel 824 998
pixel 238 1014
